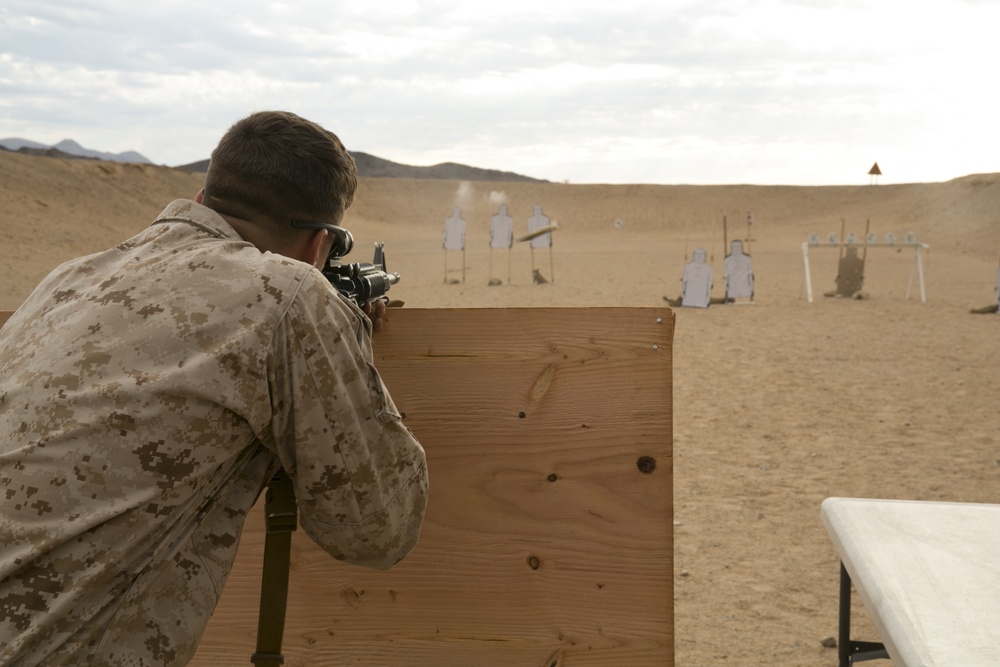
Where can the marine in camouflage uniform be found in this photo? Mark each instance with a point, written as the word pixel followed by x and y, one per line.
pixel 147 394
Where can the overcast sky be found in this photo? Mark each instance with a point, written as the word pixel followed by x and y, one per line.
pixel 799 92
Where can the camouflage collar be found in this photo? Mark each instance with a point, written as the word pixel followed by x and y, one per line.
pixel 197 215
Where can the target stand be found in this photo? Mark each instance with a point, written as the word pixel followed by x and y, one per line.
pixel 852 243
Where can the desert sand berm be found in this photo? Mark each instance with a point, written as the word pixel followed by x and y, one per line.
pixel 777 405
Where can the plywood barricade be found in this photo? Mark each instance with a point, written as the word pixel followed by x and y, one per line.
pixel 549 535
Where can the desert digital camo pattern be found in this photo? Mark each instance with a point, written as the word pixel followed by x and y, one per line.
pixel 147 394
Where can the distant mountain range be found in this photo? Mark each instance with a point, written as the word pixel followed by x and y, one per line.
pixel 70 148
pixel 369 166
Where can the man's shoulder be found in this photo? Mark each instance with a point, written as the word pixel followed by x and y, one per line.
pixel 315 291
pixel 318 304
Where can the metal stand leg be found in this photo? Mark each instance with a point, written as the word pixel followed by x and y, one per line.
pixel 844 636
pixel 851 652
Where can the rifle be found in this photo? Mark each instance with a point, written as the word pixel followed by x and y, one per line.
pixel 361 282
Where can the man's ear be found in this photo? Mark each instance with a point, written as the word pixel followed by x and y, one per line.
pixel 200 196
pixel 316 250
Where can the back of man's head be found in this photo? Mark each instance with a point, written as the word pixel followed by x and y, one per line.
pixel 274 166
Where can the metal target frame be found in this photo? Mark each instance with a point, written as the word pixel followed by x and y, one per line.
pixel 870 241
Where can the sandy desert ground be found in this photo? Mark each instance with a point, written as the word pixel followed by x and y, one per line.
pixel 778 405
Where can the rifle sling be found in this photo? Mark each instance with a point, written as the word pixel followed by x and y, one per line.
pixel 281 519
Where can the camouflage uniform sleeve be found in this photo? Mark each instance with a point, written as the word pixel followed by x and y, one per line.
pixel 360 476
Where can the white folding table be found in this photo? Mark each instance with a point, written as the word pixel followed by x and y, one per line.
pixel 928 574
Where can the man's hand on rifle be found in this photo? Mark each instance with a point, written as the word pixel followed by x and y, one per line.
pixel 375 311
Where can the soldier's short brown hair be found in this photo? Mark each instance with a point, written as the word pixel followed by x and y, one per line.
pixel 278 166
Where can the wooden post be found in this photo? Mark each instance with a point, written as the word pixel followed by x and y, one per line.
pixel 725 237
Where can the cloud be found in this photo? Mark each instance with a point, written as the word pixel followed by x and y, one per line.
pixel 686 91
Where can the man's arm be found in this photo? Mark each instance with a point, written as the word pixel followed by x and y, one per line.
pixel 360 476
